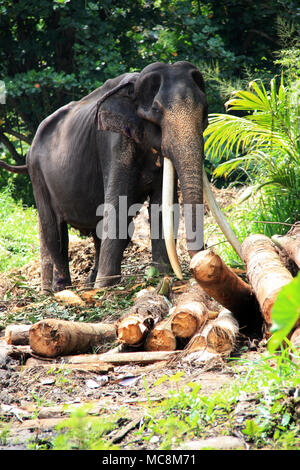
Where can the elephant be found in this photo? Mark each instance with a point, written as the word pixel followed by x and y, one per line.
pixel 134 137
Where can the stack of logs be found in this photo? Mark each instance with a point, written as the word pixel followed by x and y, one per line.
pixel 216 309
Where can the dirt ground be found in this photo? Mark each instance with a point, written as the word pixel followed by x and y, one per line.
pixel 32 398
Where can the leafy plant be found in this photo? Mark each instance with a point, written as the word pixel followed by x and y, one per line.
pixel 83 432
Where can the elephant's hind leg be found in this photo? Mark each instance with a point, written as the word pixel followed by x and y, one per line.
pixel 53 239
pixel 89 282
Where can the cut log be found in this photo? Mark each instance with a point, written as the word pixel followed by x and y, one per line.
pixel 7 351
pixel 221 334
pixel 290 244
pixel 17 334
pixel 217 336
pixel 221 283
pixel 134 325
pixel 266 273
pixel 52 337
pixel 161 338
pixel 189 313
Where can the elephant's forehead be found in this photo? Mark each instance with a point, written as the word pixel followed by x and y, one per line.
pixel 183 115
pixel 169 70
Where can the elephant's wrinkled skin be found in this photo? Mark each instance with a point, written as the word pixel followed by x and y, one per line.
pixel 112 143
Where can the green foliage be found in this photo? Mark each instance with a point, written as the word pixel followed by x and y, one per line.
pixel 255 404
pixel 18 232
pixel 285 313
pixel 55 52
pixel 83 432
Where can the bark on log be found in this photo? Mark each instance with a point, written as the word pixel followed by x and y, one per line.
pixel 221 283
pixel 134 325
pixel 52 337
pixel 161 338
pixel 266 273
pixel 189 313
pixel 17 334
pixel 295 338
pixel 290 244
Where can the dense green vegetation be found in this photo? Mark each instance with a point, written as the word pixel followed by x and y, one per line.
pixel 55 52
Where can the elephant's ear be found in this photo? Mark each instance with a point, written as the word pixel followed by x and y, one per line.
pixel 199 80
pixel 116 111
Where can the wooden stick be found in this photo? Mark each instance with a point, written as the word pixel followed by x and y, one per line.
pixel 161 338
pixel 140 357
pixel 266 273
pixel 221 283
pixel 52 337
pixel 290 244
pixel 17 334
pixel 135 324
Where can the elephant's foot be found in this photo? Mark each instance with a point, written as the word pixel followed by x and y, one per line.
pixel 60 282
pixel 107 280
pixel 90 280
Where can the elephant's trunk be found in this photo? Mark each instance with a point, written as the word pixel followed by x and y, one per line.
pixel 188 164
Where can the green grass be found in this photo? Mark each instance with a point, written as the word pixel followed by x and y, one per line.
pixel 18 232
pixel 261 406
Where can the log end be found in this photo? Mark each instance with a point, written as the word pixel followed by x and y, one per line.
pixel 47 338
pixel 160 340
pixel 131 331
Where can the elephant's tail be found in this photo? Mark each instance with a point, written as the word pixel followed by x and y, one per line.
pixel 22 169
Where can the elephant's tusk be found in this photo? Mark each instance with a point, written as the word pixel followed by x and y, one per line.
pixel 168 215
pixel 220 218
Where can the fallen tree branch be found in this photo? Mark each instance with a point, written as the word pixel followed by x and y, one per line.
pixel 266 273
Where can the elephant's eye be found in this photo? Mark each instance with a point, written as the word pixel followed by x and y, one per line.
pixel 156 108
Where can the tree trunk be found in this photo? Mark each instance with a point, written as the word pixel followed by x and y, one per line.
pixel 266 273
pixel 52 337
pixel 221 283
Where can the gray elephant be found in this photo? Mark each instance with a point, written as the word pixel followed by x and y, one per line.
pixel 131 139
